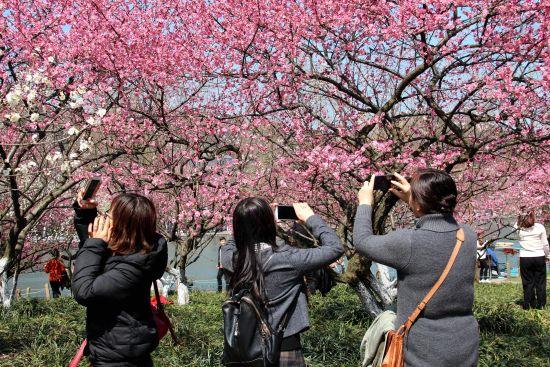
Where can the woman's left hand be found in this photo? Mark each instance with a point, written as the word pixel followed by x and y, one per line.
pixel 366 193
pixel 100 228
pixel 303 211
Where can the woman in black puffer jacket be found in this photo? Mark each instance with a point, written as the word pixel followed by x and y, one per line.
pixel 114 270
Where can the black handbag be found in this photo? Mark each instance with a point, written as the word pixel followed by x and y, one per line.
pixel 249 340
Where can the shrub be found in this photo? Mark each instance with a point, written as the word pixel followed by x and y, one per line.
pixel 38 333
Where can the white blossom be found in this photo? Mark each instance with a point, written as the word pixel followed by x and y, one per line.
pixel 73 155
pixel 31 96
pixel 74 95
pixel 25 167
pixel 76 104
pixel 34 116
pixel 6 172
pixel 92 121
pixel 52 158
pixel 51 59
pixel 62 96
pixel 73 131
pixel 15 117
pixel 66 166
pixel 34 137
pixel 13 98
pixel 101 112
pixel 85 145
pixel 37 77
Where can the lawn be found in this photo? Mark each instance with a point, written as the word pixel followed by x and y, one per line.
pixel 39 333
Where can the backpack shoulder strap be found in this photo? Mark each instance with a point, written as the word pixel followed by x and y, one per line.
pixel 412 318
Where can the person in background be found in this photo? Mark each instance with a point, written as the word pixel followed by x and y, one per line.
pixel 122 255
pixel 221 271
pixel 492 259
pixel 275 271
pixel 482 260
pixel 55 270
pixel 534 251
pixel 338 266
pixel 446 333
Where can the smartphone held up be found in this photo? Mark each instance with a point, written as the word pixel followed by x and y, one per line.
pixel 383 182
pixel 91 188
pixel 285 212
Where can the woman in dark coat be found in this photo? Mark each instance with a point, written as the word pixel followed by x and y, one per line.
pixel 114 270
pixel 446 333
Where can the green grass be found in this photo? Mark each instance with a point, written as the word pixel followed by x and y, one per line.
pixel 39 333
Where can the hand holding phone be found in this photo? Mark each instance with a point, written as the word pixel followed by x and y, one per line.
pixel 366 193
pixel 85 196
pixel 401 188
pixel 303 211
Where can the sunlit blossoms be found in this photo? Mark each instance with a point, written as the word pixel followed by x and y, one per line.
pixel 200 103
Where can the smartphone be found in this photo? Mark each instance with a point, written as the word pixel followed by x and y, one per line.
pixel 91 189
pixel 285 212
pixel 383 182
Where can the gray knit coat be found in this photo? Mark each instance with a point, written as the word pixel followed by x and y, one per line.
pixel 446 333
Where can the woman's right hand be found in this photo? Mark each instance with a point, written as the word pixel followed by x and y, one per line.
pixel 85 203
pixel 303 211
pixel 402 188
pixel 100 228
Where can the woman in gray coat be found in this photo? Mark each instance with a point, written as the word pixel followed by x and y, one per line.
pixel 274 272
pixel 446 333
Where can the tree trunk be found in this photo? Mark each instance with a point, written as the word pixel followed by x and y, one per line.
pixel 183 269
pixel 4 291
pixel 15 281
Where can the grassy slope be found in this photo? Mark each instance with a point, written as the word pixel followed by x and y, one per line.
pixel 39 333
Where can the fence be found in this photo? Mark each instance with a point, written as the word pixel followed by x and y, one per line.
pixel 46 293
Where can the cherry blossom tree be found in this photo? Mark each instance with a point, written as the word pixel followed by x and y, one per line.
pixel 305 99
pixel 353 88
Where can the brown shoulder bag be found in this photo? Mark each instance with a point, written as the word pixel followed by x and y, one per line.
pixel 395 355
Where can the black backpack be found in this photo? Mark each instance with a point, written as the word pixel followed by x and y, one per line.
pixel 249 340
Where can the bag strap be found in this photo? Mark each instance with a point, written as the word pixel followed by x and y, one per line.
pixel 160 307
pixel 412 318
pixel 79 354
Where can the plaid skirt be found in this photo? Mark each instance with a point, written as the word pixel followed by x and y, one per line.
pixel 292 358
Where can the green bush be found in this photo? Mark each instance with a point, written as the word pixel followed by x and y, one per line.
pixel 39 333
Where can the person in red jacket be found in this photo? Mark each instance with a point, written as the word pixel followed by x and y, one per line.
pixel 55 269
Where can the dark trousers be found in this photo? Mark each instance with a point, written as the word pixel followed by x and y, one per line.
pixel 222 275
pixel 483 269
pixel 533 279
pixel 56 292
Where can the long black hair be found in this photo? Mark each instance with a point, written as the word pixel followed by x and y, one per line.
pixel 253 224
